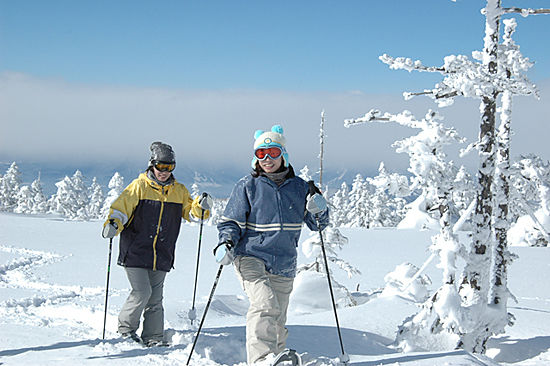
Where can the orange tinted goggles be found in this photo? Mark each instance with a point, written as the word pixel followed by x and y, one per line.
pixel 272 152
pixel 162 167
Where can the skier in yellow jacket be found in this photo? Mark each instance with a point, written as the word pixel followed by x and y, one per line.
pixel 147 214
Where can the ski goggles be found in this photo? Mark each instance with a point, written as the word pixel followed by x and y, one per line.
pixel 163 167
pixel 273 152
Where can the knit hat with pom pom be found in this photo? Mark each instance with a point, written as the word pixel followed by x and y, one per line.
pixel 273 138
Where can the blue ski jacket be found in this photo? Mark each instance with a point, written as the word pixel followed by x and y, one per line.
pixel 264 220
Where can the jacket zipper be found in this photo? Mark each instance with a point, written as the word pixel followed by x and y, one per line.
pixel 158 230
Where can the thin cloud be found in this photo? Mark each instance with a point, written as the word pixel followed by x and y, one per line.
pixel 51 120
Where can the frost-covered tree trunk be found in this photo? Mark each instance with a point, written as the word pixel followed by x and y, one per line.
pixel 321 147
pixel 501 257
pixel 475 282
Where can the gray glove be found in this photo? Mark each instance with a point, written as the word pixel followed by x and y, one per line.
pixel 206 201
pixel 316 203
pixel 224 253
pixel 110 230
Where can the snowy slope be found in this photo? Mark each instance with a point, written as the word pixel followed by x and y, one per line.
pixel 53 275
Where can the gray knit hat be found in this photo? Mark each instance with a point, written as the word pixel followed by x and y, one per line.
pixel 162 153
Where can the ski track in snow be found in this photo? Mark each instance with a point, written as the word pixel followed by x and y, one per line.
pixel 50 304
pixel 76 309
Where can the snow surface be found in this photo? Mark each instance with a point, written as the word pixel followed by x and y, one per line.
pixel 53 274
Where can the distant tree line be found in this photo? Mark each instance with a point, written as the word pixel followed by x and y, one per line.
pixel 380 201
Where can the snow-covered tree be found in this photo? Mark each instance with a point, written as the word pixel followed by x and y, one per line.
pixel 10 184
pixel 333 240
pixel 305 174
pixel 81 196
pixel 64 201
pixel 530 189
pixel 359 203
pixel 96 199
pixel 25 200
pixel 217 211
pixel 40 201
pixel 499 73
pixel 339 203
pixel 195 190
pixel 116 186
pixel 387 202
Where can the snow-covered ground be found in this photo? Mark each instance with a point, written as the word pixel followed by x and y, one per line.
pixel 53 274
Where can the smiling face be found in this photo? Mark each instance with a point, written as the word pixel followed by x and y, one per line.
pixel 270 165
pixel 161 176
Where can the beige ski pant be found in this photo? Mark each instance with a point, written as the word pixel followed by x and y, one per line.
pixel 269 296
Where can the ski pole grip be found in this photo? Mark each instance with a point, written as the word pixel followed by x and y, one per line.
pixel 313 188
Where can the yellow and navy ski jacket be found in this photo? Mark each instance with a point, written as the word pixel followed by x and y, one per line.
pixel 265 221
pixel 148 216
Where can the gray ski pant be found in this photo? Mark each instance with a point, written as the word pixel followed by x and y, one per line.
pixel 269 296
pixel 146 297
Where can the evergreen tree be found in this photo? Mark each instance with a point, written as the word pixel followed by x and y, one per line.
pixel 195 190
pixel 64 201
pixel 96 200
pixel 387 204
pixel 305 174
pixel 81 196
pixel 116 186
pixel 40 205
pixel 340 206
pixel 25 200
pixel 359 201
pixel 10 184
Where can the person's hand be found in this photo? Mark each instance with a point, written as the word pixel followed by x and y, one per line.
pixel 110 230
pixel 206 201
pixel 316 203
pixel 223 253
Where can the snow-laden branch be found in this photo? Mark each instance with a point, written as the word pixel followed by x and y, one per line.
pixel 526 12
pixel 472 78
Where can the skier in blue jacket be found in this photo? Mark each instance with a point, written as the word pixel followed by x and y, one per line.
pixel 259 233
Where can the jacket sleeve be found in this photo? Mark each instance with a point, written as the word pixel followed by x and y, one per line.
pixel 123 207
pixel 192 206
pixel 232 224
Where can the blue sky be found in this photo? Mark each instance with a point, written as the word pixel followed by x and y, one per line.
pixel 109 77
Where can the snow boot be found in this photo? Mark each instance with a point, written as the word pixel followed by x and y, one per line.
pixel 133 336
pixel 287 355
pixel 155 343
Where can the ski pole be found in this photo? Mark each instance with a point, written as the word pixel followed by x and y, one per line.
pixel 192 314
pixel 107 286
pixel 344 358
pixel 205 311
